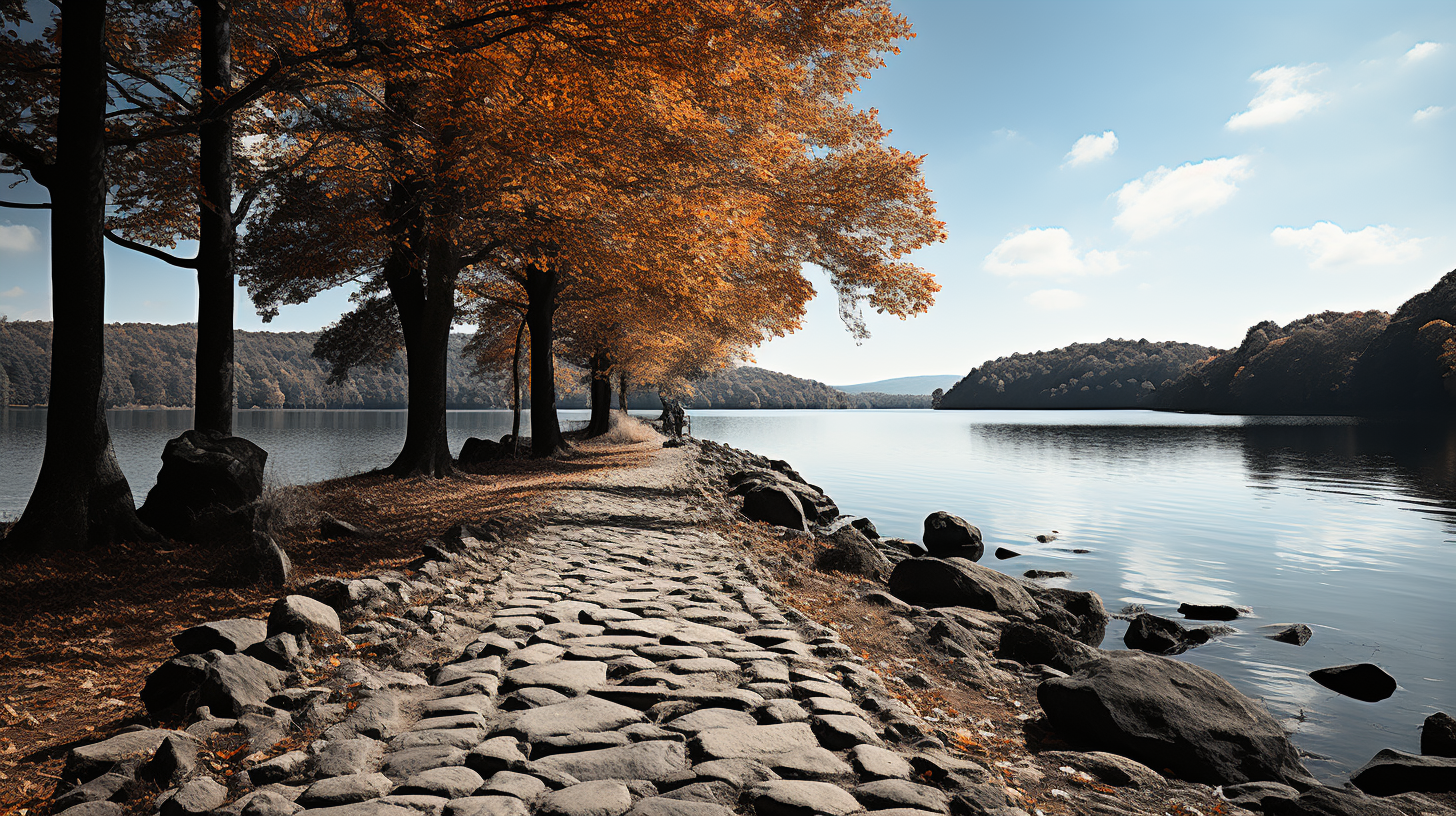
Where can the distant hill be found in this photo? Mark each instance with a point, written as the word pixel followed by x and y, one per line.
pixel 1334 363
pixel 903 385
pixel 1110 374
pixel 152 365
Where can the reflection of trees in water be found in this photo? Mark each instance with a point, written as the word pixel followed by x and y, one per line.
pixel 1415 456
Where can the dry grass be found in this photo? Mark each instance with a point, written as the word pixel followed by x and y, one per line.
pixel 79 632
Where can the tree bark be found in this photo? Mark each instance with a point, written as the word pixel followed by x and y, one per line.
pixel 601 395
pixel 426 302
pixel 81 497
pixel 622 392
pixel 214 400
pixel 516 392
pixel 541 289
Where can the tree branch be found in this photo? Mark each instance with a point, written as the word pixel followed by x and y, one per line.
pixel 20 205
pixel 161 255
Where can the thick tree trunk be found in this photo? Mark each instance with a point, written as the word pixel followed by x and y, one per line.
pixel 81 497
pixel 426 302
pixel 214 400
pixel 601 395
pixel 516 392
pixel 622 392
pixel 541 283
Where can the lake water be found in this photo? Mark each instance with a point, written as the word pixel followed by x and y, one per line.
pixel 1345 525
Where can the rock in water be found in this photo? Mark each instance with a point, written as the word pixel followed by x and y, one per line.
pixel 776 505
pixel 208 479
pixel 865 526
pixel 1391 772
pixel 1155 635
pixel 1002 554
pixel 947 535
pixel 1170 715
pixel 1076 614
pixel 852 553
pixel 1362 681
pixel 1438 735
pixel 958 582
pixel 1216 612
pixel 1295 633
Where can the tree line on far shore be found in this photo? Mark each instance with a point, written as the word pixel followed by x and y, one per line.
pixel 1329 363
pixel 150 365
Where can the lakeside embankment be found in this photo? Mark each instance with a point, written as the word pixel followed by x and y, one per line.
pixel 621 621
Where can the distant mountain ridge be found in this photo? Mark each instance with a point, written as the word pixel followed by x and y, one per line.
pixel 153 365
pixel 903 385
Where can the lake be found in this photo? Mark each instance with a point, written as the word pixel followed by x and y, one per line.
pixel 1348 526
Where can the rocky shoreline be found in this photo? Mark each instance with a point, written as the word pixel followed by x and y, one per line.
pixel 638 653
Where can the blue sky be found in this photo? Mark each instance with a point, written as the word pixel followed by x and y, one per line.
pixel 1173 171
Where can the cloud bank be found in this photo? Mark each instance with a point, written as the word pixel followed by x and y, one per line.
pixel 1046 252
pixel 1426 113
pixel 1165 198
pixel 1092 148
pixel 1055 300
pixel 1422 50
pixel 1328 245
pixel 1281 98
pixel 12 292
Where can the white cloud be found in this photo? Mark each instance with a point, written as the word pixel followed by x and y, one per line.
pixel 1048 252
pixel 13 292
pixel 1282 97
pixel 18 237
pixel 1165 198
pixel 1331 246
pixel 1006 133
pixel 1426 113
pixel 1422 50
pixel 1091 148
pixel 1055 300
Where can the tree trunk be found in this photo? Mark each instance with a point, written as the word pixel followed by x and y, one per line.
pixel 214 400
pixel 622 392
pixel 541 286
pixel 601 395
pixel 426 302
pixel 516 392
pixel 81 497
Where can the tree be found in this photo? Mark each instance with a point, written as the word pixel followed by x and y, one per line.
pixel 52 131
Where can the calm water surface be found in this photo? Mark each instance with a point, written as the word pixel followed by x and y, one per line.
pixel 1347 526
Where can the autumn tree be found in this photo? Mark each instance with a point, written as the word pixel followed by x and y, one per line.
pixel 52 132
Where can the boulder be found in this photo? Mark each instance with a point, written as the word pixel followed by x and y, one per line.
pixel 1390 772
pixel 1169 715
pixel 818 508
pixel 1251 795
pixel 300 615
pixel 1033 643
pixel 865 526
pixel 851 552
pixel 1217 612
pixel 1041 575
pixel 1003 554
pixel 1111 769
pixel 1321 801
pixel 195 798
pixel 1076 614
pixel 226 636
pixel 946 535
pixel 259 561
pixel 1155 635
pixel 1438 735
pixel 127 750
pixel 282 651
pixel 958 582
pixel 205 473
pixel 1362 681
pixel 776 505
pixel 1295 633
pixel 233 682
pixel 477 451
pixel 171 689
pixel 174 762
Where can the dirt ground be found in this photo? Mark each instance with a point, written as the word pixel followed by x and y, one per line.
pixel 79 632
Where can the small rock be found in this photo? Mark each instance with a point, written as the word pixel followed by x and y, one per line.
pixel 838 732
pixel 1362 681
pixel 1002 554
pixel 232 682
pixel 299 615
pixel 269 803
pixel 1251 795
pixel 1320 801
pixel 279 769
pixel 1041 574
pixel 226 636
pixel 651 761
pixel 1218 612
pixel 344 790
pixel 901 793
pixel 947 535
pixel 174 762
pixel 127 749
pixel 1295 633
pixel 451 783
pixel 487 806
pixel 591 798
pixel 872 762
pixel 106 787
pixel 798 798
pixel 195 798
pixel 776 505
pixel 1438 735
pixel 509 783
pixel 92 809
pixel 331 527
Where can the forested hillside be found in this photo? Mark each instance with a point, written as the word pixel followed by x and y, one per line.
pixel 149 364
pixel 1110 374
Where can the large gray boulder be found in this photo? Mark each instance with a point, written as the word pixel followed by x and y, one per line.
pixel 1170 715
pixel 123 752
pixel 207 486
pixel 233 682
pixel 227 636
pixel 851 552
pixel 818 508
pixel 774 504
pixel 302 615
pixel 1390 772
pixel 1032 643
pixel 1076 614
pixel 947 535
pixel 1363 681
pixel 958 582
